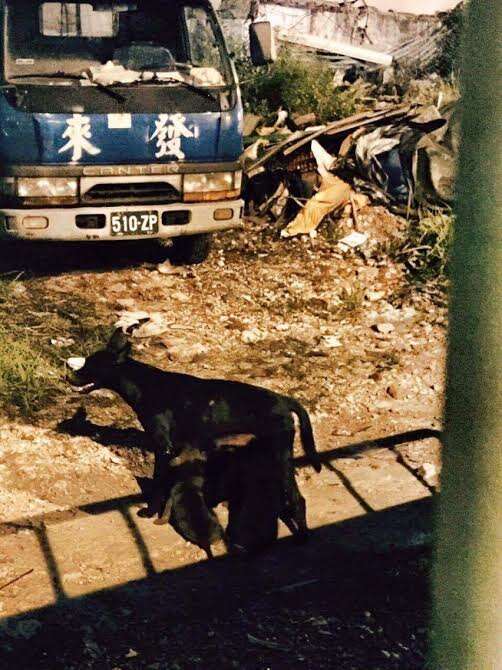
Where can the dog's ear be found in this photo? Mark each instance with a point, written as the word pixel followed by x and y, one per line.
pixel 119 346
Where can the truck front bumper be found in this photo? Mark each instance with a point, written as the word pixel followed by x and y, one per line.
pixel 62 224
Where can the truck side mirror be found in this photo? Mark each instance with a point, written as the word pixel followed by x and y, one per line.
pixel 262 43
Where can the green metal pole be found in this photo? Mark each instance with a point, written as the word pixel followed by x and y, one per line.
pixel 467 630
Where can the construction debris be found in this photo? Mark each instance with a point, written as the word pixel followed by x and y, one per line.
pixel 335 195
pixel 340 48
pixel 400 156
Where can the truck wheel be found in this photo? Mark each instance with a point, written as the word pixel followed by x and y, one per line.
pixel 191 249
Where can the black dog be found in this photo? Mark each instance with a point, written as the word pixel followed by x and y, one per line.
pixel 179 411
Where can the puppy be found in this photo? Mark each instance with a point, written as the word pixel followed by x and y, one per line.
pixel 185 507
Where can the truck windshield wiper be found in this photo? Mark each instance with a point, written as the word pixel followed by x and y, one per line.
pixel 185 84
pixel 75 77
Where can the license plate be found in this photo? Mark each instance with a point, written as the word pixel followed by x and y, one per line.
pixel 134 223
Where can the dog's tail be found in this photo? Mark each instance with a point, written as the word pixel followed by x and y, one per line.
pixel 306 433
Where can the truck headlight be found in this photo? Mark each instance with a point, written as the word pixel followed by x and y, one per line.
pixel 47 187
pixel 212 186
pixel 7 186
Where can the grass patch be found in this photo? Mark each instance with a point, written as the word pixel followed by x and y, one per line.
pixel 298 84
pixel 351 299
pixel 32 351
pixel 427 250
pixel 29 380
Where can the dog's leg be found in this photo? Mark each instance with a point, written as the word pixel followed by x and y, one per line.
pixel 165 516
pixel 293 508
pixel 165 451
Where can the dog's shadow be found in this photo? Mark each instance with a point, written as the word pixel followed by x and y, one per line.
pixel 79 425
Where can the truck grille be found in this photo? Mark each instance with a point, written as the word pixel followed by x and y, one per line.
pixel 131 193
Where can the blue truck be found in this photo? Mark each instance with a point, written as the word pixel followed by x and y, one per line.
pixel 120 121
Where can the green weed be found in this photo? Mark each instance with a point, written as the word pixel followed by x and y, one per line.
pixel 298 84
pixel 29 380
pixel 32 351
pixel 427 249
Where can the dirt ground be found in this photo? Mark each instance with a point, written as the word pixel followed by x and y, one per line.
pixel 344 332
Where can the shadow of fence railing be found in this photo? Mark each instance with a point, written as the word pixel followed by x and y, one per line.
pixel 359 572
pixel 370 536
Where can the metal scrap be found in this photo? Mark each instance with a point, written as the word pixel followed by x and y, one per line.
pixel 401 156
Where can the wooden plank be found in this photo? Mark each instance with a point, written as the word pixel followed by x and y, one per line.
pixel 351 122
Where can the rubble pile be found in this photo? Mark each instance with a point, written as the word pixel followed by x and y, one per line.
pixel 400 156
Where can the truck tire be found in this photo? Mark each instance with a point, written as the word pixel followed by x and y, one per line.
pixel 191 249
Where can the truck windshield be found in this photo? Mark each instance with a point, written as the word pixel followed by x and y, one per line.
pixel 169 39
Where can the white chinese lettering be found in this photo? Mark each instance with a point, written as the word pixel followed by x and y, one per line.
pixel 169 129
pixel 79 133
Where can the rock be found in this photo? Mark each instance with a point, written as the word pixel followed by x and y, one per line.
pixel 143 324
pixel 126 303
pixel 19 290
pixel 331 342
pixel 180 296
pixel 167 268
pixel 384 328
pixel 352 241
pixel 186 353
pixel 429 473
pixel 393 391
pixel 252 336
pixel 374 296
pixel 76 363
pixel 105 394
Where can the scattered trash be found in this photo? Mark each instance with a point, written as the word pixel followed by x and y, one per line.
pixel 62 342
pixel 76 363
pixel 352 241
pixel 328 199
pixel 110 73
pixel 132 654
pixel 282 115
pixel 325 161
pixel 401 156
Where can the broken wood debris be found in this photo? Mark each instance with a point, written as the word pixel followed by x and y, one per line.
pixel 401 156
pixel 17 579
